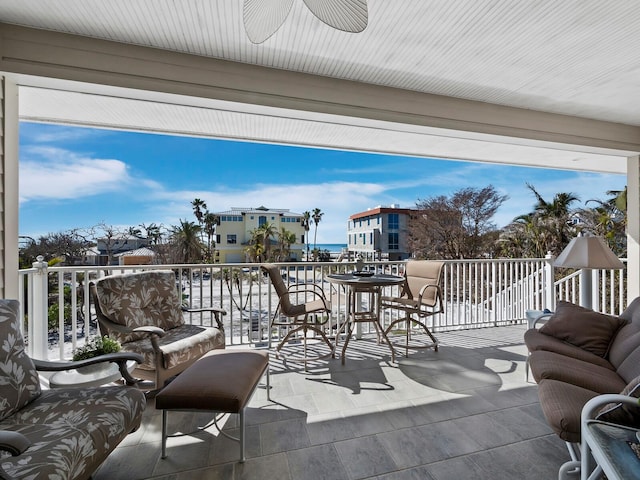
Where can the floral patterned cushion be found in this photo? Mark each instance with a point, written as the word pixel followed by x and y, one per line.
pixel 19 382
pixel 179 345
pixel 140 299
pixel 71 431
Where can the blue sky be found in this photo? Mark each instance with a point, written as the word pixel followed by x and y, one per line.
pixel 73 177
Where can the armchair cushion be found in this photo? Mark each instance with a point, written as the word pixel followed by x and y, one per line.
pixel 144 299
pixel 582 327
pixel 71 431
pixel 19 382
pixel 178 345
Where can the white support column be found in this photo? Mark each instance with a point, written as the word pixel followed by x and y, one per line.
pixel 38 332
pixel 8 188
pixel 633 227
pixel 549 280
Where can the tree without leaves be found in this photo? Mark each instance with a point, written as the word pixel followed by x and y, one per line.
pixel 455 227
pixel 110 236
pixel 71 245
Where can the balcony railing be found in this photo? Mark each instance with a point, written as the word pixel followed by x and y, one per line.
pixel 477 293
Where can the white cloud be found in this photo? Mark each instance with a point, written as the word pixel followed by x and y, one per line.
pixel 55 173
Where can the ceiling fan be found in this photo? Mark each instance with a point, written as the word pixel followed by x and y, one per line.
pixel 262 18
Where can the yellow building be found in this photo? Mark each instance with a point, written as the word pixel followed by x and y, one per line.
pixel 233 234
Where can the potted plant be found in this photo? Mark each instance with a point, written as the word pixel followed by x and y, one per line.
pixel 94 348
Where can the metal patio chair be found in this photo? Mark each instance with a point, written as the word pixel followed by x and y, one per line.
pixel 301 314
pixel 420 298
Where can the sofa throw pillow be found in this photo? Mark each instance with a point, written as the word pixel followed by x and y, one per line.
pixel 582 327
pixel 621 413
pixel 19 381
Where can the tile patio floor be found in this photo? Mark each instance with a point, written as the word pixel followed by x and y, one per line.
pixel 464 412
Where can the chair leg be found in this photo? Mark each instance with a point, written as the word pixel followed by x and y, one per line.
pixel 346 340
pixel 408 320
pixel 242 432
pixel 287 336
pixel 164 433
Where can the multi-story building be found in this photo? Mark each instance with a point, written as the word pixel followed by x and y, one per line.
pixel 380 232
pixel 233 234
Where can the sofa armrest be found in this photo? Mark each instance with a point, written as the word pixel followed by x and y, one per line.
pixel 13 442
pixel 120 358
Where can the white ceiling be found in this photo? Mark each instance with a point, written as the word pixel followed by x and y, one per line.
pixel 576 57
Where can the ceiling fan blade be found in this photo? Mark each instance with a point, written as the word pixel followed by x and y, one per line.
pixel 263 18
pixel 345 15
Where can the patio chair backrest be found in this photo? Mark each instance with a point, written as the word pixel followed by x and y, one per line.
pixel 19 381
pixel 279 286
pixel 420 273
pixel 140 299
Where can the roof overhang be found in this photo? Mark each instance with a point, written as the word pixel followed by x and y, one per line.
pixel 112 85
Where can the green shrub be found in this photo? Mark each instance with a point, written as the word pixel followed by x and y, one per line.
pixel 53 312
pixel 95 347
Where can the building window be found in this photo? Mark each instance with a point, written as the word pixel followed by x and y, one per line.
pixel 371 238
pixel 394 221
pixel 262 219
pixel 231 239
pixel 393 241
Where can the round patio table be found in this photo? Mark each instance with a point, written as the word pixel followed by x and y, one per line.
pixel 90 376
pixel 364 282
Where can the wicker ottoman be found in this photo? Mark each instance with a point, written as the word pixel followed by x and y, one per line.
pixel 220 381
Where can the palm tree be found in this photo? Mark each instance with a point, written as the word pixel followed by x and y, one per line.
pixel 286 239
pixel 555 218
pixel 317 216
pixel 306 224
pixel 199 207
pixel 186 240
pixel 609 220
pixel 255 250
pixel 210 221
pixel 267 231
pixel 135 232
pixel 153 233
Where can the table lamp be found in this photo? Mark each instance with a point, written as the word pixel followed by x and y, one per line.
pixel 587 253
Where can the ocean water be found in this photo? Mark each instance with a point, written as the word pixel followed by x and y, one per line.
pixel 332 247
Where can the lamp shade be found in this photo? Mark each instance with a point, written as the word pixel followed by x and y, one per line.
pixel 588 252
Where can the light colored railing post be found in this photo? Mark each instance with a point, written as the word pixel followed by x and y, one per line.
pixel 38 331
pixel 549 283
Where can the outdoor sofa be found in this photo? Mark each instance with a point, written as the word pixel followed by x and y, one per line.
pixel 579 354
